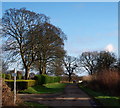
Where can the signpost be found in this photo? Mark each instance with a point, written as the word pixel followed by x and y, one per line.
pixel 14 74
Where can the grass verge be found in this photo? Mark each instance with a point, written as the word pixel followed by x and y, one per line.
pixel 46 88
pixel 103 99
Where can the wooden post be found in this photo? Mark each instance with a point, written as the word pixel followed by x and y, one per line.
pixel 14 86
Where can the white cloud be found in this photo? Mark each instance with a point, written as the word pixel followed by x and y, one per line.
pixel 110 48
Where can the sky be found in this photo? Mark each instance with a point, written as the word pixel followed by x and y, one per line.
pixel 89 26
pixel 60 0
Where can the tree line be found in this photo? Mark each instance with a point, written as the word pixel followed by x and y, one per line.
pixel 39 45
pixel 93 62
pixel 31 38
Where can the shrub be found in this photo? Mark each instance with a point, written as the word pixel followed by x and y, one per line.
pixel 23 77
pixel 87 78
pixel 8 76
pixel 48 79
pixel 19 76
pixel 57 79
pixel 107 80
pixel 7 96
pixel 20 84
pixel 39 79
pixel 3 76
pixel 44 79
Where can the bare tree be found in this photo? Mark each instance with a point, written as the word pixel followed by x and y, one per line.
pixel 88 61
pixel 118 64
pixel 96 61
pixel 4 66
pixel 0 28
pixel 49 45
pixel 70 66
pixel 16 25
pixel 105 61
pixel 0 46
pixel 56 67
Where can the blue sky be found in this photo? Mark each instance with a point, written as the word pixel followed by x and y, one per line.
pixel 60 0
pixel 89 26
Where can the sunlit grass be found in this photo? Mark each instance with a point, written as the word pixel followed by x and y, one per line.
pixel 104 99
pixel 108 97
pixel 46 88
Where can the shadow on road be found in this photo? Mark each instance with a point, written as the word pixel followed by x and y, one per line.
pixel 71 96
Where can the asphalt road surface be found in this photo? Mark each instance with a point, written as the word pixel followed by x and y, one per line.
pixel 72 97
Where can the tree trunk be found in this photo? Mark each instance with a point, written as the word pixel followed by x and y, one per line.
pixel 69 77
pixel 44 69
pixel 27 70
pixel 40 71
pixel 40 67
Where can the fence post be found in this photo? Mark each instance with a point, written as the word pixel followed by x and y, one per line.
pixel 14 86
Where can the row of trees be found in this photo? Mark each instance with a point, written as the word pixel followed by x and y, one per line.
pixel 92 62
pixel 96 61
pixel 32 39
pixel 38 44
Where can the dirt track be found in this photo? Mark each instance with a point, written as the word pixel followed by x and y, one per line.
pixel 72 96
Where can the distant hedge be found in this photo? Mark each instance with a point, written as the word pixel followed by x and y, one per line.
pixel 20 84
pixel 19 77
pixel 44 79
pixel 8 76
pixel 3 75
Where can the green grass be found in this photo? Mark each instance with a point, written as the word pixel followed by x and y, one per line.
pixel 46 88
pixel 105 100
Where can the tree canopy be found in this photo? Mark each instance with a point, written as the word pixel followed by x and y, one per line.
pixel 31 38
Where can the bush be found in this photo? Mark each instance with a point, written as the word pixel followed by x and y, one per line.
pixel 8 76
pixel 19 76
pixel 107 80
pixel 48 79
pixel 57 79
pixel 7 96
pixel 39 79
pixel 3 76
pixel 44 79
pixel 20 84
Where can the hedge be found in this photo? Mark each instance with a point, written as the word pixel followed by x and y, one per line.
pixel 57 79
pixel 20 84
pixel 44 79
pixel 3 75
pixel 19 77
pixel 8 76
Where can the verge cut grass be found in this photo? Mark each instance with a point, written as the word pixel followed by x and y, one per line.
pixel 104 99
pixel 46 88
